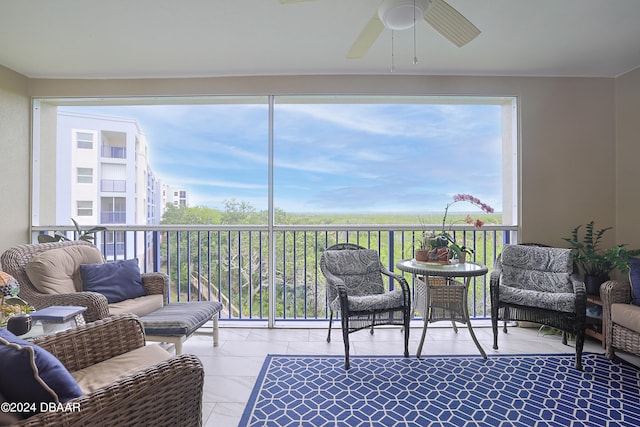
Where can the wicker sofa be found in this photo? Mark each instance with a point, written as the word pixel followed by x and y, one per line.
pixel 16 260
pixel 123 381
pixel 620 318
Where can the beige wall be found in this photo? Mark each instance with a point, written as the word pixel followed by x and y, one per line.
pixel 14 158
pixel 567 132
pixel 627 90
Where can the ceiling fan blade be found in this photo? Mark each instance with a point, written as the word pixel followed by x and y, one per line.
pixel 450 23
pixel 366 38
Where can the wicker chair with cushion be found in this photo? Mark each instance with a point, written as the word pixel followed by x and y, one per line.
pixel 538 284
pixel 74 273
pixel 621 312
pixel 120 381
pixel 57 267
pixel 356 290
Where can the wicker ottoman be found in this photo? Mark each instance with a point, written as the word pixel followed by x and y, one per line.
pixel 177 321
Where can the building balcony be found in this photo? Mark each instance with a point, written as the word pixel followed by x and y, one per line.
pixel 114 152
pixel 113 185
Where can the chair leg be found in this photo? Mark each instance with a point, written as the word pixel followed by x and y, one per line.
pixel 216 334
pixel 345 338
pixel 494 326
pixel 579 347
pixel 330 321
pixel 407 320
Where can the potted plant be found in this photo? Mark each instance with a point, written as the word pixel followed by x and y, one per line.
pixel 441 246
pixel 595 263
pixel 86 235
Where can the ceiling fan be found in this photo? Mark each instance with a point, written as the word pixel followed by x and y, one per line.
pixel 399 15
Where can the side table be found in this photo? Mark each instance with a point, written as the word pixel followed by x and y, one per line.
pixel 54 319
pixel 438 296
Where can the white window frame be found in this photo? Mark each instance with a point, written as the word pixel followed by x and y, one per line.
pixel 84 207
pixel 84 175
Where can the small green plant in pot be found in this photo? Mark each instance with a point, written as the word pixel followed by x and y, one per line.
pixel 86 235
pixel 595 263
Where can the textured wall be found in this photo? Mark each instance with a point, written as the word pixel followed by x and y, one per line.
pixel 568 172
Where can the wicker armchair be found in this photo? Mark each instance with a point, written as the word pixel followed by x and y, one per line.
pixel 355 289
pixel 538 284
pixel 168 393
pixel 619 316
pixel 14 262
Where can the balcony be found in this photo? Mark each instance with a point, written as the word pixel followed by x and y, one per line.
pixel 276 280
pixel 114 152
pixel 113 217
pixel 113 185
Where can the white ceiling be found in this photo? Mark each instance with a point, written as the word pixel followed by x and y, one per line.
pixel 203 38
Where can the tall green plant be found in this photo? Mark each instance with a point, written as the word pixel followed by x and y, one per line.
pixel 591 259
pixel 87 235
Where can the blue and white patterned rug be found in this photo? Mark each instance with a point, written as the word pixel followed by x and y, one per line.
pixel 519 390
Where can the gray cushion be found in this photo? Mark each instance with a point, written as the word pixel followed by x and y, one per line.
pixel 179 318
pixel 359 269
pixel 537 268
pixel 376 302
pixel 537 277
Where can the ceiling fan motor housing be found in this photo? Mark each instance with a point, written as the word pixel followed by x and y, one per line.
pixel 402 14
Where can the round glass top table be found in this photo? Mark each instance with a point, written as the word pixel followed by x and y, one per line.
pixel 439 296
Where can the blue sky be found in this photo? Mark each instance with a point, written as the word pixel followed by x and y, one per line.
pixel 328 157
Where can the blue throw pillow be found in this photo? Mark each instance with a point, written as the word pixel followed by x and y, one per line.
pixel 118 281
pixel 32 374
pixel 634 278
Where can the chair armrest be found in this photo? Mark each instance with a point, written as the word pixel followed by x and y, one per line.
pixel 166 394
pixel 338 283
pixel 580 291
pixel 156 283
pixel 612 292
pixel 406 290
pixel 97 305
pixel 95 342
pixel 615 292
pixel 398 278
pixel 578 284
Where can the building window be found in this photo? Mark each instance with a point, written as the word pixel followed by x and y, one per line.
pixel 85 208
pixel 85 176
pixel 85 140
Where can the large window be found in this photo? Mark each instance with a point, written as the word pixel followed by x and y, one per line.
pixel 368 159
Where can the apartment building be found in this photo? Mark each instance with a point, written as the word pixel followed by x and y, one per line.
pixel 176 196
pixel 103 177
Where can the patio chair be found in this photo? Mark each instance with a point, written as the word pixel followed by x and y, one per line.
pixel 121 381
pixel 356 290
pixel 538 284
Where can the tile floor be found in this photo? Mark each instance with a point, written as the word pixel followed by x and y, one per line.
pixel 231 368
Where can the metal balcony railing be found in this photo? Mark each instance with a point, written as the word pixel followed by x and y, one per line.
pixel 113 185
pixel 114 152
pixel 113 217
pixel 256 278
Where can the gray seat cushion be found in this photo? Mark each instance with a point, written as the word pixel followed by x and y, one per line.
pixel 537 277
pixel 180 318
pixel 375 302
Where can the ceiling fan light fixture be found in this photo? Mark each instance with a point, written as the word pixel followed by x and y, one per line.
pixel 402 14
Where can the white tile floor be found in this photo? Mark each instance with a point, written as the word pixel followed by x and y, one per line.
pixel 231 368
